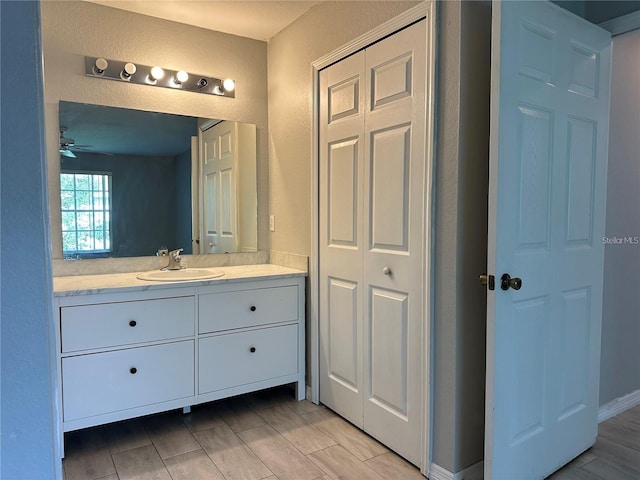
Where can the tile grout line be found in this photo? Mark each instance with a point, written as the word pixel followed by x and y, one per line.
pixel 291 443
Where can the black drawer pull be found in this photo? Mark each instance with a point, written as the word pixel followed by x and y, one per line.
pixel 133 370
pixel 253 308
pixel 252 349
pixel 132 323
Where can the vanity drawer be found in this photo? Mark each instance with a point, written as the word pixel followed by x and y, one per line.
pixel 108 382
pixel 247 308
pixel 235 359
pixel 106 325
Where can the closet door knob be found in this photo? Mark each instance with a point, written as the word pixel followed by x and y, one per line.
pixel 252 349
pixel 132 323
pixel 133 370
pixel 253 308
pixel 386 270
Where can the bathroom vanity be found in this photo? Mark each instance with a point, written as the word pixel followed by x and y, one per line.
pixel 128 347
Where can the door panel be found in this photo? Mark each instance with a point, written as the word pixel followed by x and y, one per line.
pixel 227 194
pixel 343 333
pixel 575 351
pixel 341 237
pixel 527 372
pixel 389 188
pixel 388 351
pixel 212 222
pixel 548 147
pixel 534 164
pixel 391 80
pixel 343 187
pixel 582 162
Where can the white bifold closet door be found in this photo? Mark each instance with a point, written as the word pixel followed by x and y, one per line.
pixel 372 233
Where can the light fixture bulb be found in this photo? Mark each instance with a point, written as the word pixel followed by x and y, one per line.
pixel 128 70
pixel 228 85
pixel 182 76
pixel 156 73
pixel 100 66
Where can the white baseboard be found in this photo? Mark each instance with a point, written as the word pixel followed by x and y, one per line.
pixel 474 472
pixel 618 405
pixel 436 472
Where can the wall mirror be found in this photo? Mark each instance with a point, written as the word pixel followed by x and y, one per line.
pixel 131 183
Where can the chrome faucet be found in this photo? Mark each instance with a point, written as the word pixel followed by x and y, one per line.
pixel 174 260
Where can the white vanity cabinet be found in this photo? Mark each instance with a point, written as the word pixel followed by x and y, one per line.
pixel 134 350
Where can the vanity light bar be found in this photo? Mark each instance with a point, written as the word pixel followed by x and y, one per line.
pixel 158 77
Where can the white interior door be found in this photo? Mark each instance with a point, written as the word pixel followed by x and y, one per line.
pixel 218 188
pixel 549 130
pixel 372 238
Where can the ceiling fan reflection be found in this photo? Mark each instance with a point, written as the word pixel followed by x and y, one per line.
pixel 68 146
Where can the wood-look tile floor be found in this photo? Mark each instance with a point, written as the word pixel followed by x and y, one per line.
pixel 264 435
pixel 269 435
pixel 615 455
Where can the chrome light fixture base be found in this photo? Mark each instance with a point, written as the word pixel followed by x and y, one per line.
pixel 158 77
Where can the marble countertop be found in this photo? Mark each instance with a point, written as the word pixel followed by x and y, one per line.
pixel 119 282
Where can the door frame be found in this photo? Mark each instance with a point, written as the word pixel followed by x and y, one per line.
pixel 425 10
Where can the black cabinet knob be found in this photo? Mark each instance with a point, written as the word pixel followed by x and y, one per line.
pixel 253 308
pixel 132 323
pixel 252 349
pixel 133 370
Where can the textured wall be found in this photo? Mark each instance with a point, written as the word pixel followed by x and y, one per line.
pixel 444 333
pixel 73 29
pixel 460 233
pixel 473 180
pixel 291 52
pixel 620 366
pixel 26 346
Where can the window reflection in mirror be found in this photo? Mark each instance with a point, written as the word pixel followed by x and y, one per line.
pixel 153 171
pixel 85 201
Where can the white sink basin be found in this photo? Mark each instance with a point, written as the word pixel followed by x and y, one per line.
pixel 184 274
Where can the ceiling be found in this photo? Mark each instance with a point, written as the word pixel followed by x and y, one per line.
pixel 259 19
pixel 121 131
